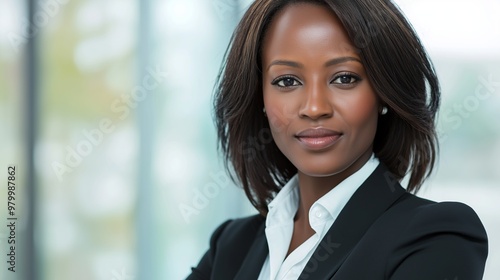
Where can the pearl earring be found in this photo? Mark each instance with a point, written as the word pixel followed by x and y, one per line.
pixel 264 110
pixel 384 110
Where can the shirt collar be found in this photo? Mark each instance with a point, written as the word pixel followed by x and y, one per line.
pixel 335 200
pixel 283 207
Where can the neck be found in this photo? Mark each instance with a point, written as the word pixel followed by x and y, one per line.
pixel 313 188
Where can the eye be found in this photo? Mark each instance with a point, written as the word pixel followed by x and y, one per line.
pixel 346 79
pixel 285 82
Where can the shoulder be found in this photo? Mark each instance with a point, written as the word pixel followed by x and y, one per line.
pixel 423 214
pixel 238 230
pixel 228 246
pixel 452 215
pixel 252 222
pixel 418 239
pixel 445 238
pixel 419 218
pixel 236 233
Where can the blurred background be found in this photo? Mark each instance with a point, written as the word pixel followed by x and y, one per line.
pixel 105 112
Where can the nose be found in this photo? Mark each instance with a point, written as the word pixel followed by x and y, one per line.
pixel 316 103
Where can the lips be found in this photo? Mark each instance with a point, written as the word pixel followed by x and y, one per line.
pixel 318 138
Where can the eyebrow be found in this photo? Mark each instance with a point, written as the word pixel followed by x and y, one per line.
pixel 330 62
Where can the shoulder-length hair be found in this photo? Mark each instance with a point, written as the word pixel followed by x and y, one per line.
pixel 397 66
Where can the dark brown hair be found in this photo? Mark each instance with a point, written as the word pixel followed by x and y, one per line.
pixel 397 67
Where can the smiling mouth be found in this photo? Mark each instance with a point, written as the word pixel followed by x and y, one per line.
pixel 318 138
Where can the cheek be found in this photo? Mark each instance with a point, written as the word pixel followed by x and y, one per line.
pixel 278 120
pixel 279 113
pixel 362 117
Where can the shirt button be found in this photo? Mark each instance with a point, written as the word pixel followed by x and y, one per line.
pixel 319 214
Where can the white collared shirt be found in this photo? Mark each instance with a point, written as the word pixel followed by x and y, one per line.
pixel 279 223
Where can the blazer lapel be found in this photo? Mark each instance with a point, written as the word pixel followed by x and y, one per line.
pixel 371 199
pixel 255 258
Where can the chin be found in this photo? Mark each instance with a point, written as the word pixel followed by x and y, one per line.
pixel 317 169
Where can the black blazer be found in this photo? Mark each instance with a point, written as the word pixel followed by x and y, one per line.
pixel 383 232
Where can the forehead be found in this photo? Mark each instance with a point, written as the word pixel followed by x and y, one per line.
pixel 306 29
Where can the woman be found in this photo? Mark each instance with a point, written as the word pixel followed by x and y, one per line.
pixel 338 99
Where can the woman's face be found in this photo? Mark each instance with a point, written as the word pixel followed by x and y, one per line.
pixel 322 110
